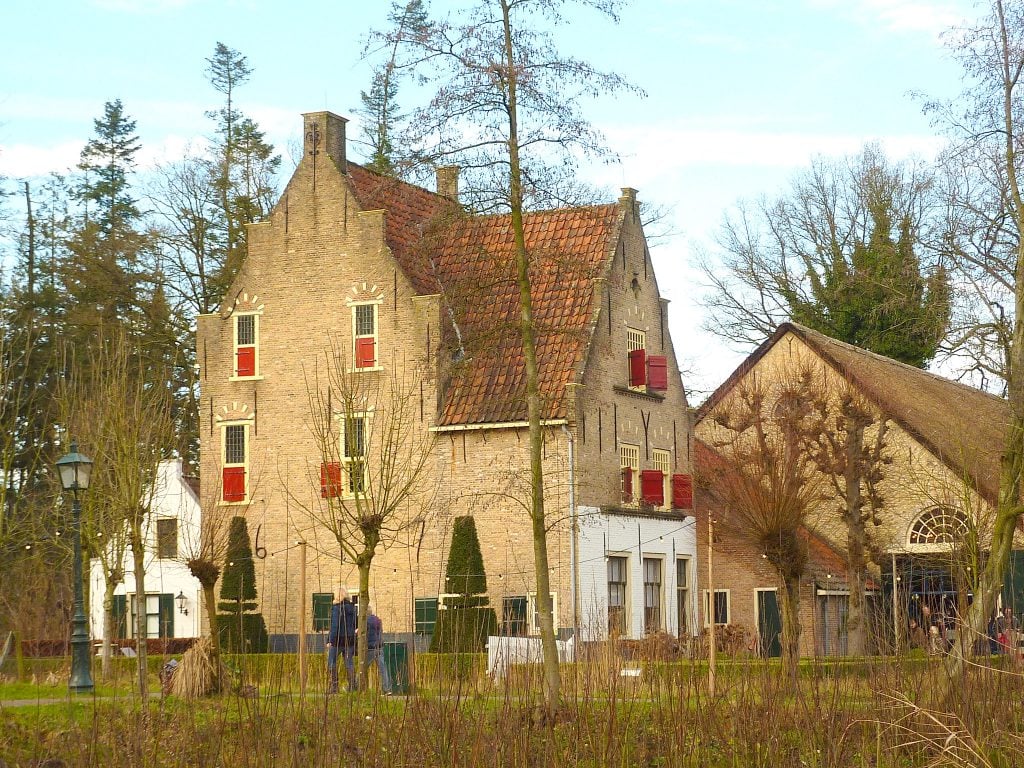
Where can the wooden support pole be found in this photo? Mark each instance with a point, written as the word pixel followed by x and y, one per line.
pixel 711 606
pixel 302 617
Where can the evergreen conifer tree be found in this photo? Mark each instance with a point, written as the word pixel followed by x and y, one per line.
pixel 467 618
pixel 242 628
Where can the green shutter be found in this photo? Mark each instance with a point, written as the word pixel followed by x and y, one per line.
pixel 166 615
pixel 120 610
pixel 322 611
pixel 425 609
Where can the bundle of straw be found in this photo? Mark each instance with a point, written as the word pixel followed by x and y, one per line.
pixel 196 675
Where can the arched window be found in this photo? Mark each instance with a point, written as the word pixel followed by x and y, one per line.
pixel 939 525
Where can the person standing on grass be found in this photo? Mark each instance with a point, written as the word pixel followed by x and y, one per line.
pixel 341 638
pixel 374 648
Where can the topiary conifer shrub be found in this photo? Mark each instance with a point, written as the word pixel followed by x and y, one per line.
pixel 241 627
pixel 466 618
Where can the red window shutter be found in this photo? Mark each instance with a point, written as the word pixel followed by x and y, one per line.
pixel 637 368
pixel 330 479
pixel 682 492
pixel 246 361
pixel 652 487
pixel 627 485
pixel 366 352
pixel 657 372
pixel 234 483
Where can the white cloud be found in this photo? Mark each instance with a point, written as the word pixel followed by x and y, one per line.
pixel 26 160
pixel 930 17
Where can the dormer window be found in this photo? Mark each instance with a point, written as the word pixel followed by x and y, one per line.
pixel 646 372
pixel 364 332
pixel 246 345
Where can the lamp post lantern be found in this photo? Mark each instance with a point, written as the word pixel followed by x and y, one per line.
pixel 75 472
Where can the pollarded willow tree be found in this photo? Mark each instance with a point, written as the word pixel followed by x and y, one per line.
pixel 766 476
pixel 848 250
pixel 508 110
pixel 374 449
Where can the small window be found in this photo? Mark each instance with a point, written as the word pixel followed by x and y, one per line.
pixel 662 461
pixel 636 358
pixel 513 616
pixel 246 346
pixel 322 602
pixel 683 596
pixel 364 333
pixel 721 607
pixel 531 599
pixel 167 537
pixel 234 485
pixel 159 615
pixel 424 615
pixel 617 595
pixel 652 594
pixel 354 434
pixel 629 463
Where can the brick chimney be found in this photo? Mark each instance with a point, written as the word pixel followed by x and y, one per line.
pixel 324 133
pixel 448 182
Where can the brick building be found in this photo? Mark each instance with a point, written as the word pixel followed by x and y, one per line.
pixel 945 441
pixel 389 281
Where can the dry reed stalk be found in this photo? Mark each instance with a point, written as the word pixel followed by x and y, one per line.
pixel 196 675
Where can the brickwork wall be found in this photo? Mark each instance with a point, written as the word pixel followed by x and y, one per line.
pixel 316 250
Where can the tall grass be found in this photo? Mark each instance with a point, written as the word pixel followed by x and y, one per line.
pixel 865 712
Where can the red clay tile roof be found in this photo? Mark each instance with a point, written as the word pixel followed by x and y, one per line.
pixel 469 261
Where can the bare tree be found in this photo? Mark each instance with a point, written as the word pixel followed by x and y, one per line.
pixel 849 447
pixel 769 483
pixel 992 53
pixel 124 420
pixel 374 453
pixel 508 110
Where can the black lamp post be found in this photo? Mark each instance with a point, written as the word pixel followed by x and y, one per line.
pixel 75 470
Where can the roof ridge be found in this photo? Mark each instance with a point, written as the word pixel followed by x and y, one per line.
pixel 804 330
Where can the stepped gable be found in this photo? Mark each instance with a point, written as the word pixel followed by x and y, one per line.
pixel 569 248
pixel 962 426
pixel 410 212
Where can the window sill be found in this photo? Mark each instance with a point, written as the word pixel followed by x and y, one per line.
pixel 223 503
pixel 245 378
pixel 642 393
pixel 369 369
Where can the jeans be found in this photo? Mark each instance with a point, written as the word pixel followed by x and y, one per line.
pixel 377 655
pixel 347 653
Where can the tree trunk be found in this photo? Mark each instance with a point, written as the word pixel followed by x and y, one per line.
pixel 139 564
pixel 210 602
pixel 108 625
pixel 363 563
pixel 790 609
pixel 856 575
pixel 552 675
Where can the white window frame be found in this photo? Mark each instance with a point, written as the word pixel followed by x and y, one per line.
pixel 708 608
pixel 444 597
pixel 662 461
pixel 257 370
pixel 133 618
pixel 635 339
pixel 684 600
pixel 660 560
pixel 531 612
pixel 375 304
pixel 633 458
pixel 346 460
pixel 626 601
pixel 225 464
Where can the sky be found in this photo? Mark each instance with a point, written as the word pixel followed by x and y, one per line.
pixel 740 95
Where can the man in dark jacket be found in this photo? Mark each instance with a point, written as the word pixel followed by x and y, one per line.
pixel 374 648
pixel 342 637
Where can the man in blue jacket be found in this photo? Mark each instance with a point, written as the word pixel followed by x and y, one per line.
pixel 374 647
pixel 342 637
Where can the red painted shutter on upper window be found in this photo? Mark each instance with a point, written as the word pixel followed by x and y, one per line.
pixel 234 483
pixel 627 485
pixel 637 368
pixel 652 487
pixel 366 352
pixel 657 372
pixel 246 361
pixel 330 479
pixel 682 492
